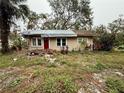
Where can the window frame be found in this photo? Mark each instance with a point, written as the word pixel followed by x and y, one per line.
pixel 61 42
pixel 82 40
pixel 40 42
pixel 36 41
pixel 32 42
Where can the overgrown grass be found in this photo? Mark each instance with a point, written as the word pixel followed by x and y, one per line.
pixel 21 60
pixel 115 85
pixel 97 67
pixel 61 78
pixel 15 82
pixel 59 84
pixel 74 59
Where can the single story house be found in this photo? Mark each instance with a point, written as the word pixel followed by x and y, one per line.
pixel 56 39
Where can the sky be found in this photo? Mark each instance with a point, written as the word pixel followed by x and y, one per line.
pixel 104 11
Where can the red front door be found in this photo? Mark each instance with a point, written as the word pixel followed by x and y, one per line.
pixel 46 43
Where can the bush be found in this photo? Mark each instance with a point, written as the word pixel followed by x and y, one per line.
pixel 59 84
pixel 115 85
pixel 17 42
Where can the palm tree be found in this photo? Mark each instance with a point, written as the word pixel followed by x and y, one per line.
pixel 9 11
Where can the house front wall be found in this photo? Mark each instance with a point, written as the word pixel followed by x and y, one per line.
pixel 88 42
pixel 30 44
pixel 71 42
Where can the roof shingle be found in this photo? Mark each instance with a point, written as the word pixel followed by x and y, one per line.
pixel 85 33
pixel 51 33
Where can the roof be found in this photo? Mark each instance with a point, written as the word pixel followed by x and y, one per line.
pixel 50 33
pixel 85 33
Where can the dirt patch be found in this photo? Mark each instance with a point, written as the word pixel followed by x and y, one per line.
pixel 15 80
pixel 95 82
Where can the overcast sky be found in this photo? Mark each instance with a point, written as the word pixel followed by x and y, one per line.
pixel 105 11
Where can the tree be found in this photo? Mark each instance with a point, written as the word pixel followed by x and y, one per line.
pixel 37 21
pixel 117 25
pixel 100 29
pixel 105 40
pixel 32 20
pixel 117 30
pixel 74 14
pixel 112 35
pixel 9 11
pixel 119 40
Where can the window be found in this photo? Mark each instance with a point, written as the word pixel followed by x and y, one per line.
pixel 39 41
pixel 58 42
pixel 61 41
pixel 36 42
pixel 80 40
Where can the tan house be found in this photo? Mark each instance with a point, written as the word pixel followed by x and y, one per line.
pixel 57 39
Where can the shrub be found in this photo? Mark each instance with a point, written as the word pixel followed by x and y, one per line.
pixel 59 84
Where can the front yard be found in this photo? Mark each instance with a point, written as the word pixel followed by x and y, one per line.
pixel 89 72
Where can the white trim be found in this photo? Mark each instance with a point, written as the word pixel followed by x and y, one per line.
pixel 82 39
pixel 36 40
pixel 41 42
pixel 61 41
pixel 66 42
pixel 32 42
pixel 56 42
pixel 49 43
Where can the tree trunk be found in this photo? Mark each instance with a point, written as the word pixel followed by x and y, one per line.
pixel 4 41
pixel 4 32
